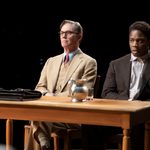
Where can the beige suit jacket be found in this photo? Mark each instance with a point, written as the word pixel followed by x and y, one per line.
pixel 82 66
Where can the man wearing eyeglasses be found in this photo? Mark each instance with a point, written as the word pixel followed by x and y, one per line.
pixel 57 71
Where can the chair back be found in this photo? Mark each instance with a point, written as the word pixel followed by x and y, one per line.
pixel 97 86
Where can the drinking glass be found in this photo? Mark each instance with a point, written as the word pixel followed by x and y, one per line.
pixel 90 94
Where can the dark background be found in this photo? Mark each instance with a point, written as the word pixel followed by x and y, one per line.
pixel 29 35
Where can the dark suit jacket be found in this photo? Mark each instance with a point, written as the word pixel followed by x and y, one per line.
pixel 117 82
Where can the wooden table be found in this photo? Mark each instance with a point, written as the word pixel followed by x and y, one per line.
pixel 119 113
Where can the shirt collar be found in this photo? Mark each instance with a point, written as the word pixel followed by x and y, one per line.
pixel 71 54
pixel 133 58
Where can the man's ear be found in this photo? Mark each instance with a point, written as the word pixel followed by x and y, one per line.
pixel 80 36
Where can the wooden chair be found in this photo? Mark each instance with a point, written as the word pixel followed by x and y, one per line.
pixel 66 135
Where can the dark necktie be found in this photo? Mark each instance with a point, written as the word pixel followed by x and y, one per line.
pixel 66 58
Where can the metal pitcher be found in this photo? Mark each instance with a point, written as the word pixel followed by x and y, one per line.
pixel 78 90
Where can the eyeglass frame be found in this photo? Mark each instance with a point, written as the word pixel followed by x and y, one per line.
pixel 61 33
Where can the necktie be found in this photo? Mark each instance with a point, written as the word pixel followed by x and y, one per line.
pixel 66 58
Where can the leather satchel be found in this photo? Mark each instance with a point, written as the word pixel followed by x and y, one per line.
pixel 19 94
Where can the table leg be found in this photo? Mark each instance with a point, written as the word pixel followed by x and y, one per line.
pixel 126 139
pixel 9 134
pixel 147 136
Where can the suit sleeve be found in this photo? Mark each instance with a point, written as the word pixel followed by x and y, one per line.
pixel 111 89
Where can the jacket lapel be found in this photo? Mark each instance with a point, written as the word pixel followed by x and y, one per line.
pixel 127 72
pixel 146 74
pixel 55 71
pixel 73 66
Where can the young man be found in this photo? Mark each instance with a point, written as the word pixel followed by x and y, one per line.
pixel 128 77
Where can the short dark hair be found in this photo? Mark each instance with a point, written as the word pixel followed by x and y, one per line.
pixel 142 26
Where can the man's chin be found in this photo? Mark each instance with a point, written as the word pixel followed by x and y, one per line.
pixel 135 53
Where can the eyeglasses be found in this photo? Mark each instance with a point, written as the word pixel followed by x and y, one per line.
pixel 67 33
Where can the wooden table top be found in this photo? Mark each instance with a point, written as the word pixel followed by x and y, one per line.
pixel 96 104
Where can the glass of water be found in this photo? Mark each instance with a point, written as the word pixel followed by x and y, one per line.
pixel 90 94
